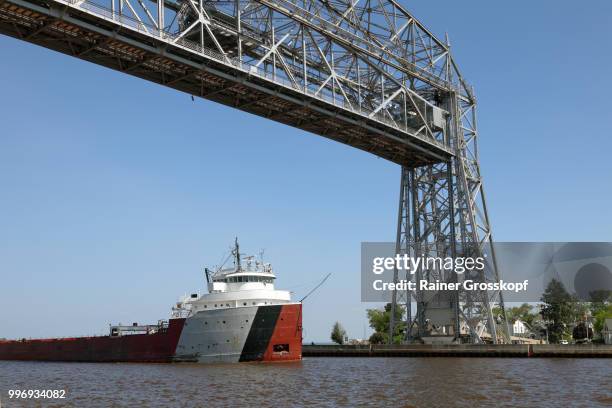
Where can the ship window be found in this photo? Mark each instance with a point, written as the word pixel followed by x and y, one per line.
pixel 205 306
pixel 215 305
pixel 279 348
pixel 244 303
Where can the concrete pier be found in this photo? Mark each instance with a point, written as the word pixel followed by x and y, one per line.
pixel 461 350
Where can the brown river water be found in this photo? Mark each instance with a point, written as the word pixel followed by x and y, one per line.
pixel 318 382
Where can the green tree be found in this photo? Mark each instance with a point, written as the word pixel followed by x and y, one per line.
pixel 380 320
pixel 497 313
pixel 600 318
pixel 338 333
pixel 559 311
pixel 378 338
pixel 524 312
pixel 601 308
pixel 600 300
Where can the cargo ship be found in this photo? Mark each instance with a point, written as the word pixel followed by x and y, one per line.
pixel 241 318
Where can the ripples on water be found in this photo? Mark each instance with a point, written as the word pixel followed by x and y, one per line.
pixel 320 382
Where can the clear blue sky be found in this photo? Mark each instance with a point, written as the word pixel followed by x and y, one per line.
pixel 115 192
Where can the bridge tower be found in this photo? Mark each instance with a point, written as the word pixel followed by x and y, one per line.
pixel 442 212
pixel 366 73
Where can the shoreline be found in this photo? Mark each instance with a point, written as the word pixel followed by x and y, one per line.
pixel 461 350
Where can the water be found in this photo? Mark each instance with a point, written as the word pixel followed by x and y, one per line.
pixel 320 382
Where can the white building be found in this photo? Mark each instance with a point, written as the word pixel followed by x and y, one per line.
pixel 519 328
pixel 607 331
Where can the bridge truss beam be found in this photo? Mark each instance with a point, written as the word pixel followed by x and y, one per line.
pixel 266 58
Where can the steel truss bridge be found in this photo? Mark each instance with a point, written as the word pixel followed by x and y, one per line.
pixel 365 73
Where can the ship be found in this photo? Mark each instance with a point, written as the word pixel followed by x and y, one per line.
pixel 242 318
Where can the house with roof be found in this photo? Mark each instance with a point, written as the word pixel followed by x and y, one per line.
pixel 519 328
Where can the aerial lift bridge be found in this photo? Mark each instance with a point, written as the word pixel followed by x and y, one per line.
pixel 365 73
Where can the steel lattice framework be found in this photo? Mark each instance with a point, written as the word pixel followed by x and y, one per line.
pixel 362 72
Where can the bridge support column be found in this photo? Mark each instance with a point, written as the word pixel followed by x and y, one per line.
pixel 442 214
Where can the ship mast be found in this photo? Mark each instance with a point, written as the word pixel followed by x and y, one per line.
pixel 237 255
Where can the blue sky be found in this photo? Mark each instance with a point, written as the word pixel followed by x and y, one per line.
pixel 117 192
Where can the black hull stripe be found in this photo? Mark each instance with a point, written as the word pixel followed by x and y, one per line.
pixel 260 333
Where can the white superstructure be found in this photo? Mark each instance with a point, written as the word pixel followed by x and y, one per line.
pixel 250 282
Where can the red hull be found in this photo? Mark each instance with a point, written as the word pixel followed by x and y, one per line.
pixel 155 348
pixel 287 331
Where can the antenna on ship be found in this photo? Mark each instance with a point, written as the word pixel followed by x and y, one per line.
pixel 237 255
pixel 207 272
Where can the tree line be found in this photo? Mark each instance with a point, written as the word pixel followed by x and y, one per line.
pixel 556 318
